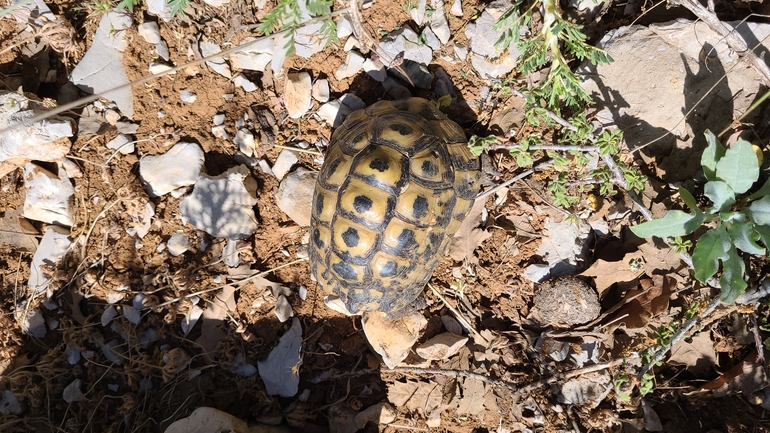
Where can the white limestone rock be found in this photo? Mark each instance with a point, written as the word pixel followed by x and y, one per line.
pixel 179 167
pixel 48 196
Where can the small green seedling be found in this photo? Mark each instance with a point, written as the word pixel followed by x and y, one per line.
pixel 735 222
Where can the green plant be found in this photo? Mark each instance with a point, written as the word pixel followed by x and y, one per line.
pixel 647 384
pixel 619 383
pixel 555 42
pixel 735 222
pixel 287 15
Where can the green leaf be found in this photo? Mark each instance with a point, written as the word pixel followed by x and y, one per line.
pixel 713 153
pixel 742 234
pixel 711 248
pixel 688 199
pixel 720 194
pixel 761 192
pixel 759 211
pixel 731 280
pixel 739 167
pixel 672 224
pixel 764 234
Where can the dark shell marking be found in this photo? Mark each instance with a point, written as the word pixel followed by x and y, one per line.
pixel 397 181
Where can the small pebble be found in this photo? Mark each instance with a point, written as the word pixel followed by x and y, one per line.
pixel 178 244
pixel 188 96
pixel 150 32
pixel 286 159
pixel 321 90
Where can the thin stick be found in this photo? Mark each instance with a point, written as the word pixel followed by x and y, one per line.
pixel 555 147
pixel 465 322
pixel 679 336
pixel 297 149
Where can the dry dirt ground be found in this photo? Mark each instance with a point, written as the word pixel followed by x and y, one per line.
pixel 158 373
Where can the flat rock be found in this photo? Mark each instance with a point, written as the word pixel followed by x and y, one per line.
pixel 321 90
pixel 159 9
pixel 439 24
pixel 217 3
pixel 101 68
pixel 333 112
pixel 376 70
pixel 244 139
pixel 45 140
pixel 307 41
pixel 52 248
pixel 253 57
pixel 295 195
pixel 354 62
pixel 223 206
pixel 208 420
pixel 217 64
pixel 457 8
pixel 161 49
pixel 188 96
pixel 122 144
pixel 149 31
pixel 672 52
pixel 48 196
pixel 179 167
pixel 277 371
pixel 564 246
pixel 298 94
pixel 285 161
pixel 587 390
pixel 393 339
pixel 344 27
pixel 485 58
pixel 177 244
pixel 244 83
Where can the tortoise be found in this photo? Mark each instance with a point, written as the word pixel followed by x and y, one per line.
pixel 396 183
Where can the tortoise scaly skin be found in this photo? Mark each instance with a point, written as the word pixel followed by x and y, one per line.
pixel 397 181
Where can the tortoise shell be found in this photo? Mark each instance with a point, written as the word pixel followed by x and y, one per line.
pixel 397 181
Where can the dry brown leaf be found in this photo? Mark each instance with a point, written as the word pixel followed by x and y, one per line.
pixel 746 376
pixel 652 302
pixel 469 236
pixel 423 397
pixel 666 259
pixel 472 401
pixel 698 355
pixel 606 273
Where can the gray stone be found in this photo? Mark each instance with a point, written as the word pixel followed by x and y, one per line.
pixel 564 247
pixel 298 94
pixel 244 139
pixel 439 24
pixel 255 56
pixel 285 161
pixel 179 167
pixel 127 127
pixel 177 244
pixel 333 112
pixel 45 140
pixel 161 49
pixel 295 195
pixel 101 68
pixel 461 52
pixel 188 96
pixel 242 82
pixel 672 52
pixel 217 3
pixel 159 68
pixel 122 144
pixel 320 90
pixel 354 62
pixel 217 64
pixel 417 52
pixel 485 58
pixel 457 8
pixel 431 40
pixel 48 197
pixel 344 27
pixel 277 371
pixel 375 69
pixel 52 248
pixel 223 206
pixel 159 9
pixel 149 31
pixel 307 41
